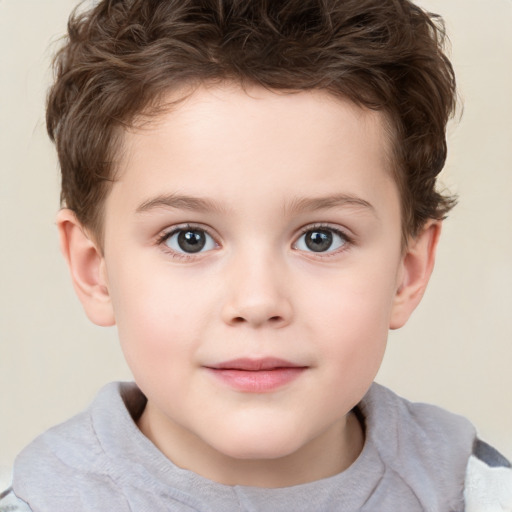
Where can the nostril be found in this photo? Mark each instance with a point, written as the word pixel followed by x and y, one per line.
pixel 242 320
pixel 257 313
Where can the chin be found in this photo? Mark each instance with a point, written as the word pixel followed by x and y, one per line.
pixel 265 445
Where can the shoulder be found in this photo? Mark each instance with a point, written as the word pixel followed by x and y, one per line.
pixel 488 485
pixel 69 453
pixel 436 450
pixel 426 447
pixel 9 502
pixel 60 467
pixel 77 443
pixel 419 431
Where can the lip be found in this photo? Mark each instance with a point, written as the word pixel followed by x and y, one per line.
pixel 256 375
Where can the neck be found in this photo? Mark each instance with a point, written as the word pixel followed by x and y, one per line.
pixel 330 453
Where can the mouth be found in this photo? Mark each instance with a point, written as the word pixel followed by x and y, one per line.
pixel 256 375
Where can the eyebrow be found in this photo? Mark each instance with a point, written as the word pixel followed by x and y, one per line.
pixel 308 204
pixel 181 202
pixel 296 205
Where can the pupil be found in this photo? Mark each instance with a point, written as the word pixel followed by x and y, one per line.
pixel 319 241
pixel 191 241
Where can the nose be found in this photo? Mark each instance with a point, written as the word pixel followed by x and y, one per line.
pixel 258 294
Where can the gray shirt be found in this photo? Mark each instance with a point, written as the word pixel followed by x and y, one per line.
pixel 414 459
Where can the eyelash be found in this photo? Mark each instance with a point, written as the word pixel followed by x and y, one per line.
pixel 164 236
pixel 349 240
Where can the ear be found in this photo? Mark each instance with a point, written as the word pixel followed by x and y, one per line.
pixel 416 268
pixel 87 267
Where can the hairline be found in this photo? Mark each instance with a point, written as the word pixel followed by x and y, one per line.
pixel 162 103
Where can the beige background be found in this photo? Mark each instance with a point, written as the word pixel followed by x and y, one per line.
pixel 457 349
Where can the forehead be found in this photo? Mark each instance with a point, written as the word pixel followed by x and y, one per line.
pixel 289 114
pixel 248 143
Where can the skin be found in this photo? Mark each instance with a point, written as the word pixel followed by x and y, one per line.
pixel 258 172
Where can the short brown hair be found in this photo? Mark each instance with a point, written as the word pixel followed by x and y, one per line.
pixel 122 56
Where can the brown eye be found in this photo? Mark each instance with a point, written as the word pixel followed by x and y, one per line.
pixel 321 240
pixel 318 241
pixel 190 241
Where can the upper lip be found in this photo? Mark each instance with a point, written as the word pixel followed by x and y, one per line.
pixel 256 364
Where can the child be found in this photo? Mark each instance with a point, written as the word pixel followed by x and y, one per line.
pixel 249 195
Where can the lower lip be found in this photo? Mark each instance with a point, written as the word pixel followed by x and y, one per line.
pixel 261 381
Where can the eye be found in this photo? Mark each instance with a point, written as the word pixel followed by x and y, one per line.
pixel 321 240
pixel 189 240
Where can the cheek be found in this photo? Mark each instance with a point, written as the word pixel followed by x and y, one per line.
pixel 351 315
pixel 356 300
pixel 158 317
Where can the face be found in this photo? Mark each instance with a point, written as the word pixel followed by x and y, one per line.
pixel 253 253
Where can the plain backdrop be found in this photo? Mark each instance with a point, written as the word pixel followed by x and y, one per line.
pixel 457 349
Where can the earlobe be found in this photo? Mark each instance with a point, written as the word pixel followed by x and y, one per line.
pixel 416 268
pixel 87 267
